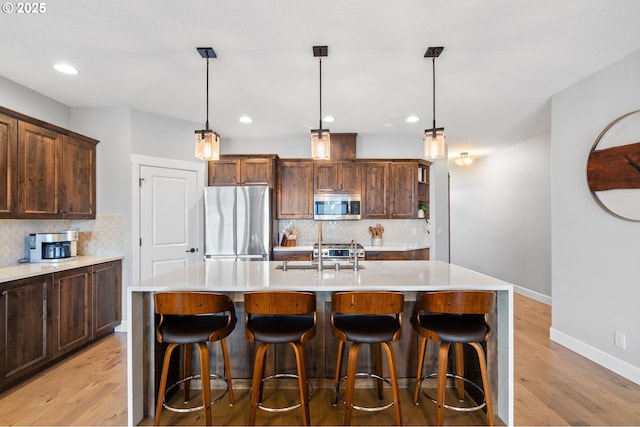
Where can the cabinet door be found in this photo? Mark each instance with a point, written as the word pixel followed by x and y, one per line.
pixel 25 312
pixel 375 190
pixel 224 172
pixel 404 189
pixel 72 309
pixel 8 165
pixel 256 171
pixel 349 177
pixel 295 189
pixel 107 291
pixel 325 179
pixel 38 172
pixel 78 170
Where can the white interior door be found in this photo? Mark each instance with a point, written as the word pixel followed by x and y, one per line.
pixel 168 220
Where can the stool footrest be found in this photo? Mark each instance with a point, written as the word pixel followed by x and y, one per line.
pixel 453 407
pixel 365 408
pixel 214 377
pixel 283 408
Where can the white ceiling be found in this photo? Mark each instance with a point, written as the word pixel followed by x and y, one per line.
pixel 502 61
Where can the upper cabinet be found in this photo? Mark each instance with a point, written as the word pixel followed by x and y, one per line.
pixel 46 172
pixel 8 165
pixel 337 177
pixel 295 189
pixel 375 189
pixel 242 170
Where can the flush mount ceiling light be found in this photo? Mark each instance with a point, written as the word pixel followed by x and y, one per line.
pixel 320 138
pixel 434 144
pixel 464 159
pixel 207 141
pixel 66 68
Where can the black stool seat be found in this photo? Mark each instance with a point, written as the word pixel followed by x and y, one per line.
pixel 367 329
pixel 280 329
pixel 456 328
pixel 191 329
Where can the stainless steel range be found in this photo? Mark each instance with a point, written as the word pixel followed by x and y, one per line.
pixel 339 251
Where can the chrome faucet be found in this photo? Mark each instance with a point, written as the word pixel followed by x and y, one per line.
pixel 354 253
pixel 319 246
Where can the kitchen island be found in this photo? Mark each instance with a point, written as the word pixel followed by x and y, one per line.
pixel 236 278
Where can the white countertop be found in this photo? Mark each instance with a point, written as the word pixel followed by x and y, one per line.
pixel 22 271
pixel 243 276
pixel 381 248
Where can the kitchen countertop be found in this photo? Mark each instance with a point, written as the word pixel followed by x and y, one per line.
pixel 22 271
pixel 382 248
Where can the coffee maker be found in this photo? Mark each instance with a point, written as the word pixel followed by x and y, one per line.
pixel 53 247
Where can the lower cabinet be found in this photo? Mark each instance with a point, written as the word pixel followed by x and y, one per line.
pixel 25 341
pixel 47 317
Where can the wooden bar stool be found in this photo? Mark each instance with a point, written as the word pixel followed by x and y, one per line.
pixel 453 317
pixel 367 318
pixel 188 318
pixel 279 318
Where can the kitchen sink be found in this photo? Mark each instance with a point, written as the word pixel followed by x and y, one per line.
pixel 308 266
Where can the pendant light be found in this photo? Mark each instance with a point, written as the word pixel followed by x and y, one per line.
pixel 207 141
pixel 434 143
pixel 320 138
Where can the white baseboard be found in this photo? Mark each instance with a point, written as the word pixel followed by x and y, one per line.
pixel 620 367
pixel 532 294
pixel 122 327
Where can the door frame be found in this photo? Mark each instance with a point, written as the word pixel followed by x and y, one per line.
pixel 137 161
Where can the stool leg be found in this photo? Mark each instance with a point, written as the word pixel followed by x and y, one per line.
pixel 298 349
pixel 421 351
pixel 338 370
pixel 227 370
pixel 257 381
pixel 377 357
pixel 163 381
pixel 443 356
pixel 459 350
pixel 485 379
pixel 186 371
pixel 394 380
pixel 204 377
pixel 351 381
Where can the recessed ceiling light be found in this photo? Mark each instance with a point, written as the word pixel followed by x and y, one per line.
pixel 66 68
pixel 245 119
pixel 412 119
pixel 329 119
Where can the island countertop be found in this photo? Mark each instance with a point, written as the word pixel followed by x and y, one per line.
pixel 238 277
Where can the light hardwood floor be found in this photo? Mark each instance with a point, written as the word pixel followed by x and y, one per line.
pixel 553 386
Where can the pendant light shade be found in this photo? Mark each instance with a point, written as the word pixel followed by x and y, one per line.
pixel 320 138
pixel 207 141
pixel 434 139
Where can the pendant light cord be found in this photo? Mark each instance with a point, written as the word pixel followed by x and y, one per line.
pixel 433 61
pixel 320 121
pixel 207 126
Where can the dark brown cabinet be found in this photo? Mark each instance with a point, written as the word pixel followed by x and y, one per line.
pixel 25 316
pixel 8 165
pixel 78 171
pixel 295 189
pixel 107 294
pixel 337 177
pixel 242 170
pixel 71 310
pixel 46 172
pixel 47 317
pixel 375 190
pixel 403 190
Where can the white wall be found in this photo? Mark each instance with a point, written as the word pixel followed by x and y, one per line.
pixel 595 256
pixel 26 101
pixel 501 216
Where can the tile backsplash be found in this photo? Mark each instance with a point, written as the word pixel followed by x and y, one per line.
pixel 396 231
pixel 103 236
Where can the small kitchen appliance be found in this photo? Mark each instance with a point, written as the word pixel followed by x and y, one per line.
pixel 53 247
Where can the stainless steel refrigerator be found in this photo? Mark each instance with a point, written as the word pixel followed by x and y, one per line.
pixel 238 222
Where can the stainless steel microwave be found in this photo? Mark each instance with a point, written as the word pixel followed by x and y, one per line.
pixel 336 206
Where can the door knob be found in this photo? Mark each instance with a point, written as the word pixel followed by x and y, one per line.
pixel 192 250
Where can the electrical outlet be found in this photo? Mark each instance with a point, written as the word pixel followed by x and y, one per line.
pixel 620 340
